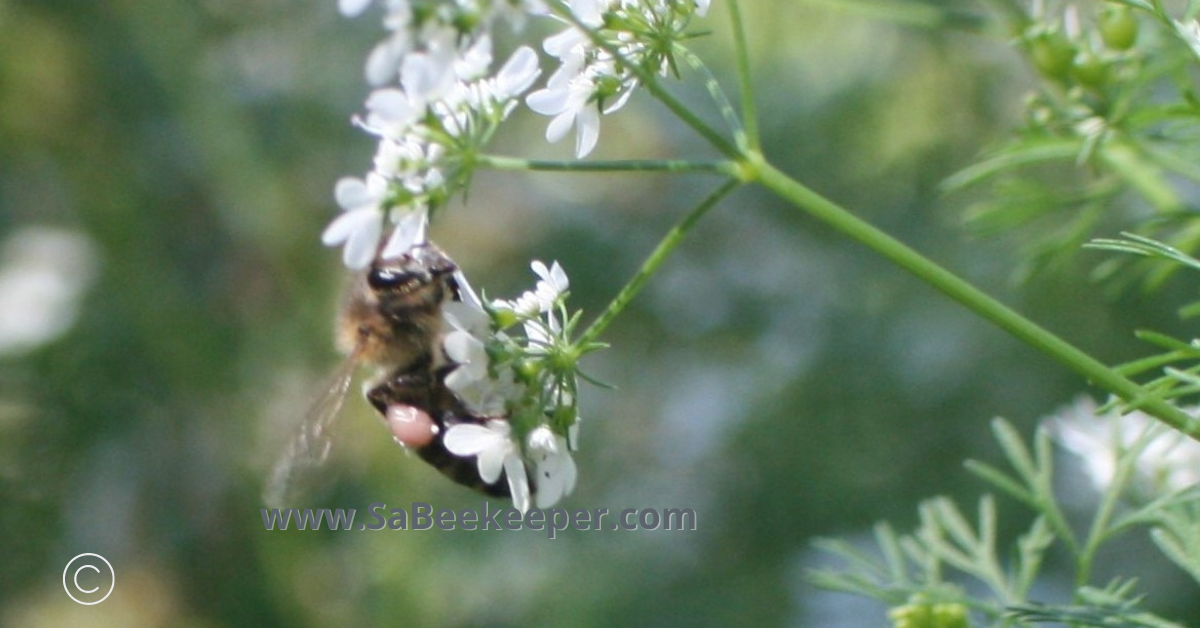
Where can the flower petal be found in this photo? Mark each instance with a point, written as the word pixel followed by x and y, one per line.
pixel 518 73
pixel 409 233
pixel 383 64
pixel 548 102
pixel 491 462
pixel 462 347
pixel 587 130
pixel 518 482
pixel 363 242
pixel 468 439
pixel 559 126
pixel 351 193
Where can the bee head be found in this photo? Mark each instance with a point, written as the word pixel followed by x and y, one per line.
pixel 411 280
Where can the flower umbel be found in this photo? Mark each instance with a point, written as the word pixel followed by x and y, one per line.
pixel 598 70
pixel 525 373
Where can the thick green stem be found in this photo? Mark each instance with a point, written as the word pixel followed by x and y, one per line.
pixel 653 261
pixel 832 214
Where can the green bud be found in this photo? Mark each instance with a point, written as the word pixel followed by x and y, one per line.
pixel 919 613
pixel 504 318
pixel 564 416
pixel 1118 28
pixel 1052 54
pixel 527 371
pixel 949 616
pixel 1089 69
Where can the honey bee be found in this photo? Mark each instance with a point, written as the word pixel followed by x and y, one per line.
pixel 391 319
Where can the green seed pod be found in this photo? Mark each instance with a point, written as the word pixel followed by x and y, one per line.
pixel 1052 54
pixel 1118 28
pixel 1089 69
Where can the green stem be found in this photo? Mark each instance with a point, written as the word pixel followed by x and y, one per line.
pixel 499 162
pixel 745 86
pixel 740 136
pixel 653 262
pixel 989 308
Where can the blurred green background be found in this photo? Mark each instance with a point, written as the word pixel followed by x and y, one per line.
pixel 166 168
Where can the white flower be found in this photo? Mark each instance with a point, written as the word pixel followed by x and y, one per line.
pixel 555 468
pixel 409 232
pixel 1169 461
pixel 391 112
pixel 471 380
pixel 702 7
pixel 517 74
pixel 553 284
pixel 352 8
pixel 497 452
pixel 543 297
pixel 475 60
pixel 429 74
pixel 383 63
pixel 589 12
pixel 572 106
pixel 361 222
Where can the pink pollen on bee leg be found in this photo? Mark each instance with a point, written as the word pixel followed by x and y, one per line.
pixel 411 427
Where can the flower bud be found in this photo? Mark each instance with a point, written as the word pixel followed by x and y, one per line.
pixel 527 371
pixel 1118 28
pixel 1089 69
pixel 919 613
pixel 504 318
pixel 1051 53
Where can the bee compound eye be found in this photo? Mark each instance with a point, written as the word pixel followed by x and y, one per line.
pixel 410 426
pixel 393 279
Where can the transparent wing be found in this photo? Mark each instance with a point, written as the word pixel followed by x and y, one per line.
pixel 312 442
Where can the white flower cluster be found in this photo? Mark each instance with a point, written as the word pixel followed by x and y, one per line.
pixel 590 79
pixel 435 104
pixel 1166 461
pixel 522 379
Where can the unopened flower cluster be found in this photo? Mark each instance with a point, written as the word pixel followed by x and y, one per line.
pixel 528 377
pixel 435 102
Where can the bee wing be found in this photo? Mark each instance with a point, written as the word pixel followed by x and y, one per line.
pixel 313 440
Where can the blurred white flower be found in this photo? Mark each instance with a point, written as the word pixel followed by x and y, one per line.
pixel 517 74
pixel 496 452
pixel 409 232
pixel 391 112
pixel 361 223
pixel 352 8
pixel 1170 460
pixel 43 274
